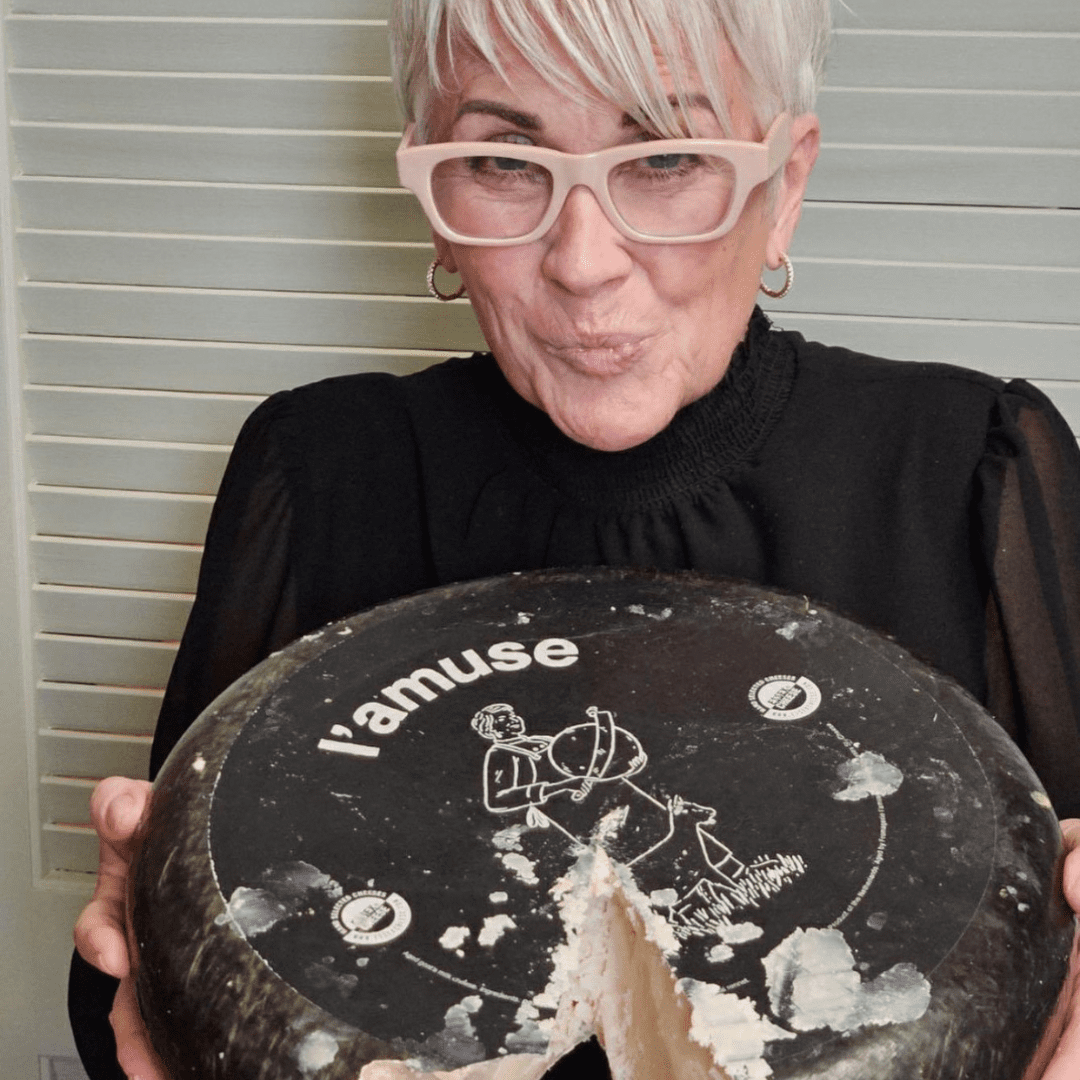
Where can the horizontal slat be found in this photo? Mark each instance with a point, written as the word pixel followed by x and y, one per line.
pixel 351 158
pixel 121 515
pixel 294 45
pixel 335 103
pixel 313 9
pixel 920 290
pixel 137 414
pixel 179 365
pixel 119 613
pixel 118 709
pixel 935 234
pixel 975 61
pixel 109 564
pixel 1040 351
pixel 1045 350
pixel 68 850
pixel 861 173
pixel 74 883
pixel 999 348
pixel 924 116
pixel 130 466
pixel 226 263
pixel 979 177
pixel 917 289
pixel 92 754
pixel 65 800
pixel 925 233
pixel 950 118
pixel 256 317
pixel 996 15
pixel 926 19
pixel 972 293
pixel 324 213
pixel 102 661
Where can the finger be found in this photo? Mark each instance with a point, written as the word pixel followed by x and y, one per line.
pixel 116 808
pixel 100 930
pixel 100 939
pixel 1070 835
pixel 133 1050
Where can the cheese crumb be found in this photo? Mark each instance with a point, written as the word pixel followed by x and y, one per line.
pixel 494 927
pixel 453 937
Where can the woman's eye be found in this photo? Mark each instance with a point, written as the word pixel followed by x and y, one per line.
pixel 500 164
pixel 659 169
pixel 497 164
pixel 669 162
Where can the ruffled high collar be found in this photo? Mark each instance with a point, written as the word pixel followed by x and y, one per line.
pixel 705 441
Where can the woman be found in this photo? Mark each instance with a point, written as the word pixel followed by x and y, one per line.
pixel 636 407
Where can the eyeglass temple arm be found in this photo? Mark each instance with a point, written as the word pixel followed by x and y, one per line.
pixel 779 138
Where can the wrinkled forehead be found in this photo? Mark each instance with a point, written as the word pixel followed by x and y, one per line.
pixel 657 76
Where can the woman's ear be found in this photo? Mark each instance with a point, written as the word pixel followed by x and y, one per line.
pixel 445 252
pixel 805 141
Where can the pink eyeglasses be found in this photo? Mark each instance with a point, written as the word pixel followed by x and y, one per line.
pixel 665 191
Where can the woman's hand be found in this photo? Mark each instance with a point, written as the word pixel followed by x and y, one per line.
pixel 116 809
pixel 1058 1056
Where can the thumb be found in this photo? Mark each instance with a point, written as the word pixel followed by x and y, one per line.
pixel 1070 835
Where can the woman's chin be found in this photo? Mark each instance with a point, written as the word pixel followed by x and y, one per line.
pixel 612 429
pixel 612 412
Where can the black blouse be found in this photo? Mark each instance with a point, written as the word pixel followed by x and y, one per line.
pixel 936 504
pixel 939 505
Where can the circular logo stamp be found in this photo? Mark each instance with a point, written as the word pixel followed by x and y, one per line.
pixel 785 697
pixel 371 917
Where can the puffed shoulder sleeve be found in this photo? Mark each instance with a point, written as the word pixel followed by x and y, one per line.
pixel 1029 498
pixel 245 602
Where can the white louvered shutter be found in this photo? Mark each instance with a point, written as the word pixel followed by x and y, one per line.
pixel 943 218
pixel 207 212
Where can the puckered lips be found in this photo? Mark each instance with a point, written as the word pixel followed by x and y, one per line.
pixel 598 353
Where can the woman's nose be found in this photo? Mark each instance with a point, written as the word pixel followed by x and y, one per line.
pixel 585 252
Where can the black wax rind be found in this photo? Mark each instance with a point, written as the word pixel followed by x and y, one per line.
pixel 321 837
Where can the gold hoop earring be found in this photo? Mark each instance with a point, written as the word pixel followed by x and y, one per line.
pixel 789 280
pixel 433 289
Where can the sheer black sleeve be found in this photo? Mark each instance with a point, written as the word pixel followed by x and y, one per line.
pixel 1029 484
pixel 246 604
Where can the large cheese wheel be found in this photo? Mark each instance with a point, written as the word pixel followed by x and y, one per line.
pixel 727 832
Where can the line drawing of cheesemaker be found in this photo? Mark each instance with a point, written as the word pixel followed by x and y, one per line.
pixel 523 771
pixel 700 878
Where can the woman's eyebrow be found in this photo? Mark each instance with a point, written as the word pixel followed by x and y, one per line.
pixel 531 122
pixel 692 101
pixel 526 121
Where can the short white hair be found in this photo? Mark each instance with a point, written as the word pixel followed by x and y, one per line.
pixel 614 45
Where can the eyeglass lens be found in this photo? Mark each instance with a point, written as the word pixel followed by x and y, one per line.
pixel 661 195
